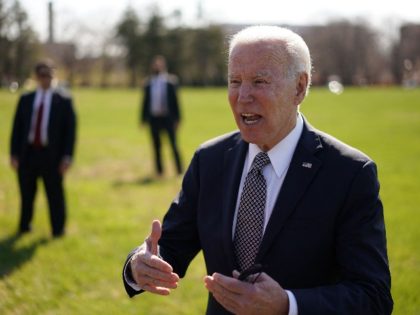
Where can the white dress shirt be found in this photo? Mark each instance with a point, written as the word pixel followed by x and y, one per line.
pixel 280 157
pixel 158 95
pixel 47 95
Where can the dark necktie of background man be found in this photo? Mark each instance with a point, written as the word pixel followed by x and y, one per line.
pixel 38 123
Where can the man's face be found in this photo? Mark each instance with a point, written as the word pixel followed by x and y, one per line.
pixel 158 65
pixel 44 77
pixel 263 100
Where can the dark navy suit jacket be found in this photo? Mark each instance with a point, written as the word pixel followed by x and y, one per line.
pixel 171 101
pixel 325 240
pixel 61 127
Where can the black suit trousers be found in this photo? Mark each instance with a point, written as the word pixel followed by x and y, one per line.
pixel 166 124
pixel 38 163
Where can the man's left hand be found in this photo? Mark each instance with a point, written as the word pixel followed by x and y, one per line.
pixel 64 165
pixel 265 296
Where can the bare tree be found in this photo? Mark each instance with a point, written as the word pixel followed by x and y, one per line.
pixel 347 50
pixel 406 53
pixel 19 45
pixel 129 33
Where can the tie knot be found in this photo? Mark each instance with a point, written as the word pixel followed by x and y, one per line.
pixel 260 161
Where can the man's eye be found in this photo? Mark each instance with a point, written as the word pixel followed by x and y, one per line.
pixel 234 82
pixel 260 81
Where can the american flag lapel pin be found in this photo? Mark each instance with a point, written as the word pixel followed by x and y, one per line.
pixel 307 164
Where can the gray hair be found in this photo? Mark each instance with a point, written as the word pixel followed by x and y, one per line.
pixel 294 46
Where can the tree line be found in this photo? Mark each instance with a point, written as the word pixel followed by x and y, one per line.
pixel 19 45
pixel 196 55
pixel 350 51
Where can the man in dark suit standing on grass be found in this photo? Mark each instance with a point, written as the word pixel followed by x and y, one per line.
pixel 160 109
pixel 288 218
pixel 42 145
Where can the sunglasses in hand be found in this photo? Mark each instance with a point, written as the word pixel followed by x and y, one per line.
pixel 256 270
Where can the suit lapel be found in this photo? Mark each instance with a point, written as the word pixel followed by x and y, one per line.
pixel 302 169
pixel 232 169
pixel 28 110
pixel 53 112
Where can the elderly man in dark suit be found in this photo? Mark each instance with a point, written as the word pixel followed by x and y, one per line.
pixel 42 145
pixel 160 109
pixel 289 219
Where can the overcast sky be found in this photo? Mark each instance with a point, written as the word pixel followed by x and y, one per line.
pixel 104 14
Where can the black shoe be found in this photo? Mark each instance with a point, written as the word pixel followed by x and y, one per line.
pixel 58 234
pixel 21 232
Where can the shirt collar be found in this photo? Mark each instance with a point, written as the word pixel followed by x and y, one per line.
pixel 46 94
pixel 281 154
pixel 160 77
pixel 41 91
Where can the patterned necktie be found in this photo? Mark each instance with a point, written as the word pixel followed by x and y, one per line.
pixel 38 123
pixel 250 217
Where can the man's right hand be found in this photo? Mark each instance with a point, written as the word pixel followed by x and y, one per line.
pixel 149 271
pixel 14 162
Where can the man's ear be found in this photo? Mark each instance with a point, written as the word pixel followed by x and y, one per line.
pixel 301 86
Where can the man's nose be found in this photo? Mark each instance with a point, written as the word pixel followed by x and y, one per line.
pixel 245 93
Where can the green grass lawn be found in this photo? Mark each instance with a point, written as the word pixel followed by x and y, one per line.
pixel 111 203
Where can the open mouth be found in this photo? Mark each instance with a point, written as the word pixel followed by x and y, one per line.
pixel 250 119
